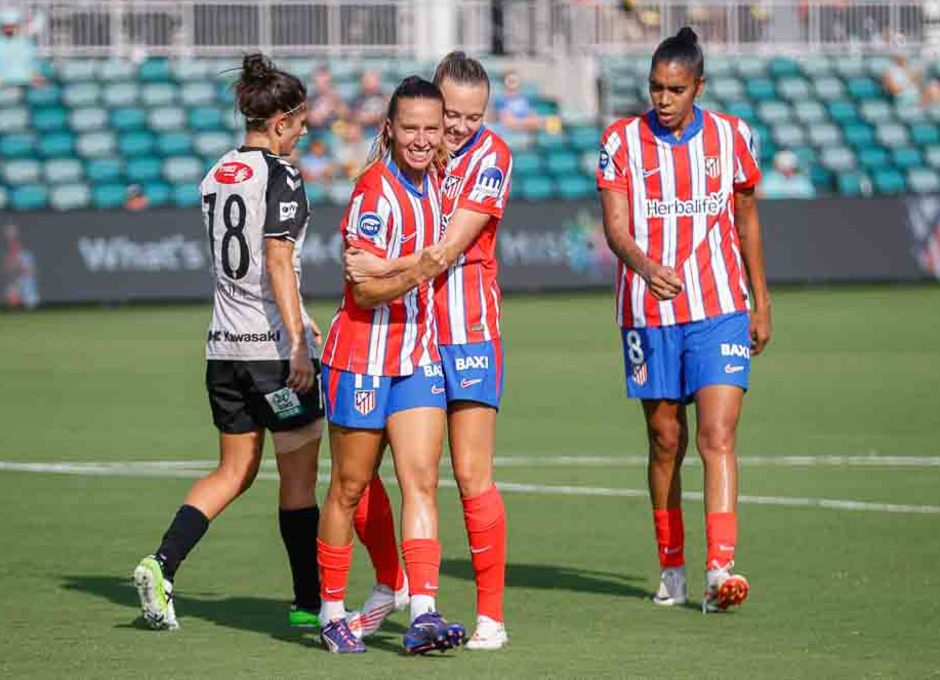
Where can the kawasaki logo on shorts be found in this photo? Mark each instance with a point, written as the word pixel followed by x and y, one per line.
pixel 285 403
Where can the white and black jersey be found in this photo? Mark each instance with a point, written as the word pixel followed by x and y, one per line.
pixel 248 196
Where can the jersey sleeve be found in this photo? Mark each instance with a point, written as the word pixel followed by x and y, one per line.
pixel 367 222
pixel 613 170
pixel 746 158
pixel 488 189
pixel 287 210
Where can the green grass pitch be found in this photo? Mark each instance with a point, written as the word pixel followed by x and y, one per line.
pixel 836 593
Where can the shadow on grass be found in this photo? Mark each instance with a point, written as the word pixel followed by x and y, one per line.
pixel 555 577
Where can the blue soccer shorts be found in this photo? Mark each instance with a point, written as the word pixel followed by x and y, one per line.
pixel 474 372
pixel 365 402
pixel 674 362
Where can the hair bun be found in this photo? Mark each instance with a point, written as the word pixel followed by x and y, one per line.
pixel 256 67
pixel 687 34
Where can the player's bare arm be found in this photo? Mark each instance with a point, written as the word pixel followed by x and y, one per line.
pixel 374 292
pixel 664 283
pixel 462 229
pixel 279 260
pixel 752 252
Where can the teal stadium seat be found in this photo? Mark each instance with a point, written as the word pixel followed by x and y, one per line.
pixel 853 184
pixel 88 119
pixel 891 135
pixel 50 118
pixel 158 194
pixel 924 134
pixel 316 193
pixel 174 143
pixel 810 112
pixel 213 144
pixel 186 196
pixel 154 71
pixel 29 197
pixel 22 171
pixel 864 88
pixel 108 196
pixel 197 94
pixel 907 157
pixel 829 88
pixel 576 187
pixel 821 178
pixel 837 158
pixel 536 188
pixel 825 134
pixel 877 65
pixel 889 181
pixel 234 121
pixel 923 181
pixel 63 170
pixel 911 114
pixel 205 119
pixel 48 95
pixel 720 67
pixel 806 154
pixel 103 170
pixel 81 94
pixel 548 141
pixel 96 144
pixel 742 109
pixel 121 94
pixel 760 89
pixel 225 93
pixel 876 111
pixel 850 66
pixel 56 144
pixel 788 134
pixel 340 192
pixel 588 162
pixel 10 96
pixel 774 112
pixel 183 169
pixel 154 95
pixel 143 169
pixel 783 67
pixel 816 66
pixel 135 144
pixel 794 89
pixel 70 196
pixel 19 145
pixel 873 157
pixel 562 164
pixel 843 111
pixel 859 134
pixel 167 119
pixel 518 141
pixel 185 70
pixel 932 155
pixel 751 67
pixel 526 163
pixel 4 198
pixel 115 70
pixel 77 70
pixel 127 119
pixel 584 137
pixel 14 119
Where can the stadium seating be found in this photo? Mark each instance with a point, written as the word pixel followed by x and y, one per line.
pixel 101 124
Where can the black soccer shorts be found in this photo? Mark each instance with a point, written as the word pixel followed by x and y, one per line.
pixel 248 395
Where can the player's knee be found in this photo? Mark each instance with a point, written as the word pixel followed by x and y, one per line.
pixel 348 491
pixel 667 442
pixel 715 440
pixel 472 480
pixel 239 479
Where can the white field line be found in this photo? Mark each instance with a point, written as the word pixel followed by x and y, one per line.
pixel 179 469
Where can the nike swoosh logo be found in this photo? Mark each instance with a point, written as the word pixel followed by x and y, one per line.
pixel 725 547
pixel 733 369
pixel 477 551
pixel 437 390
pixel 405 238
pixel 650 173
pixel 672 551
pixel 428 586
pixel 333 591
pixel 470 383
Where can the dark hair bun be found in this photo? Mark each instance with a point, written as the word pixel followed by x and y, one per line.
pixel 686 34
pixel 256 67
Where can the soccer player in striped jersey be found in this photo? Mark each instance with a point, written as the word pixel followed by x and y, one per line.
pixel 467 301
pixel 382 372
pixel 677 189
pixel 261 351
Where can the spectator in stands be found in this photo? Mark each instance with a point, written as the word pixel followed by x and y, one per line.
pixel 907 85
pixel 136 199
pixel 17 52
pixel 324 105
pixel 513 109
pixel 369 107
pixel 352 148
pixel 317 165
pixel 20 287
pixel 785 179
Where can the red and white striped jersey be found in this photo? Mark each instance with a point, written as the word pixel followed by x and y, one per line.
pixel 681 194
pixel 388 217
pixel 467 296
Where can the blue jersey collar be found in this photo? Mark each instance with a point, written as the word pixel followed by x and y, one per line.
pixel 470 142
pixel 665 133
pixel 401 177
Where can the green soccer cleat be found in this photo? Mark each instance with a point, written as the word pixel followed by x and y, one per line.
pixel 156 595
pixel 303 618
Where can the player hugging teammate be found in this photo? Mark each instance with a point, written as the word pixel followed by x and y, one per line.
pixel 677 189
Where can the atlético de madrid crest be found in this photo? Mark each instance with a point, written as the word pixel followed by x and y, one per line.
pixel 364 401
pixel 712 166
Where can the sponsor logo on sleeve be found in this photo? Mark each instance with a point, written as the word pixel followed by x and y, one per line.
pixel 288 210
pixel 604 160
pixel 370 224
pixel 489 181
pixel 233 173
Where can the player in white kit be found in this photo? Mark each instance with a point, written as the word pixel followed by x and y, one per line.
pixel 262 369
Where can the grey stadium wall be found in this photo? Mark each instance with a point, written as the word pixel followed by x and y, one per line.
pixel 161 254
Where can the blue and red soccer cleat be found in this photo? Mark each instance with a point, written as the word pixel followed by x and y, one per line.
pixel 338 639
pixel 431 631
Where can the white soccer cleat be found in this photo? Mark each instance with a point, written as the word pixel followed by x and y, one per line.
pixel 672 587
pixel 156 595
pixel 723 589
pixel 382 602
pixel 489 635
